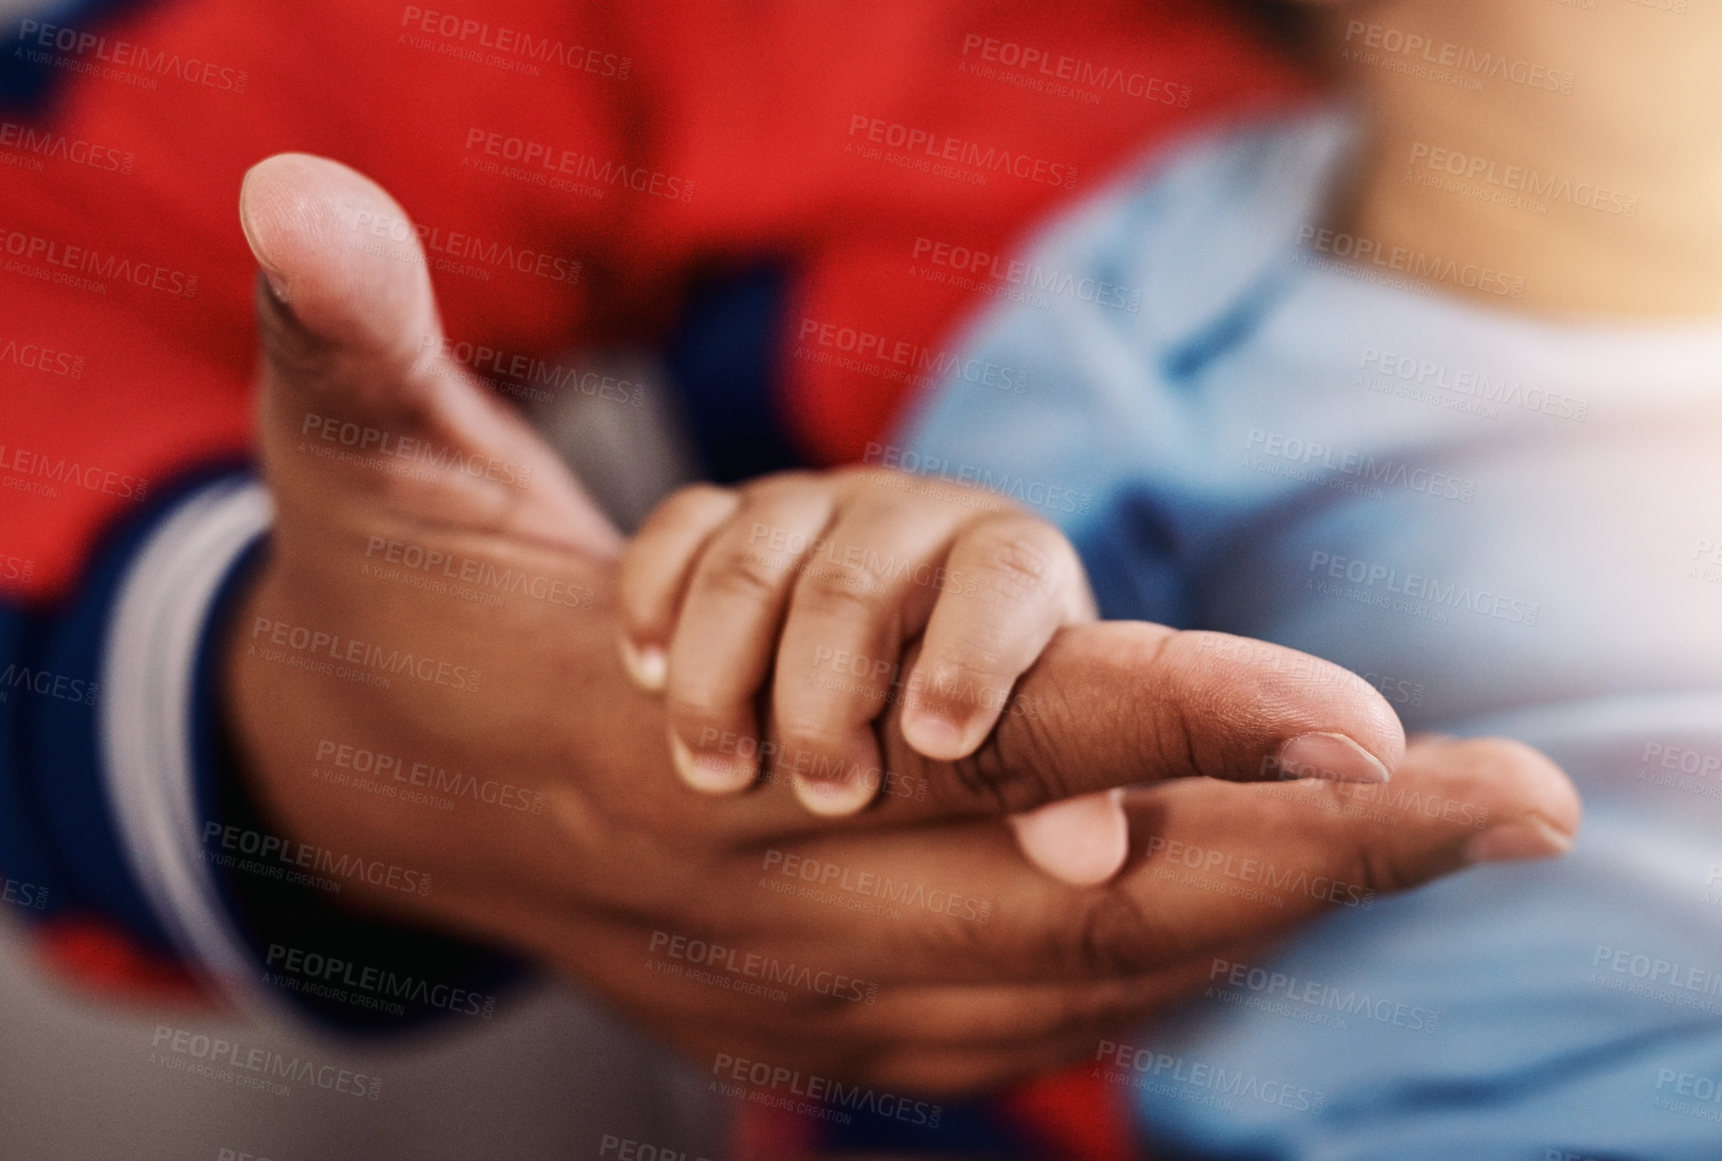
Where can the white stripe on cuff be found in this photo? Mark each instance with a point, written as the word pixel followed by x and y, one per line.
pixel 148 693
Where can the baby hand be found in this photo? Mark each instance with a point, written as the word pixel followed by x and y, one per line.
pixel 817 582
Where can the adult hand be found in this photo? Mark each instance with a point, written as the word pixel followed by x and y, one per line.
pixel 439 591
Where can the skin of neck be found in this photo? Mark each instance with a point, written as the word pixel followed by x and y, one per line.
pixel 1596 177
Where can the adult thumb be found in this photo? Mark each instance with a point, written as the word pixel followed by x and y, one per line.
pixel 356 387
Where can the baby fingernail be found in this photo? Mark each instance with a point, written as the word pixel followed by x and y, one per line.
pixel 832 797
pixel 1530 836
pixel 935 735
pixel 711 773
pixel 1331 756
pixel 647 665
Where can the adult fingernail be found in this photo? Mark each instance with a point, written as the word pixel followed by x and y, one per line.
pixel 1080 841
pixel 832 797
pixel 647 665
pixel 1331 756
pixel 1530 836
pixel 277 285
pixel 711 773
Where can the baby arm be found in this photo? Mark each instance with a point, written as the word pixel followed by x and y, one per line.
pixel 726 590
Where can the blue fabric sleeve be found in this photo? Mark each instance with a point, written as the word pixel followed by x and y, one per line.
pixel 62 843
pixel 56 829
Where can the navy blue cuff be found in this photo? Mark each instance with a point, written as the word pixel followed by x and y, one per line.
pixel 723 359
pixel 57 828
pixel 115 758
pixel 341 969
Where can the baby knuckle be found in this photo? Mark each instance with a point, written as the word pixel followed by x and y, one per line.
pixel 743 573
pixel 793 484
pixel 842 589
pixel 696 498
pixel 1023 559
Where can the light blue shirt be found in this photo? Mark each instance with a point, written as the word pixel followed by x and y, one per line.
pixel 1507 525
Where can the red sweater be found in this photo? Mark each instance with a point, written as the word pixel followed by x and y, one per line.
pixel 571 166
pixel 888 151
